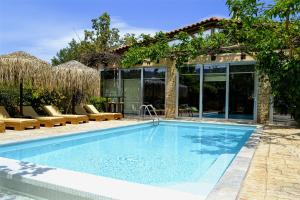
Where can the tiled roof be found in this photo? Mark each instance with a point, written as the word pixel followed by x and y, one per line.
pixel 211 22
pixel 196 26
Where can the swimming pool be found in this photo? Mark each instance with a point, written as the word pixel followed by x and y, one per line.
pixel 188 157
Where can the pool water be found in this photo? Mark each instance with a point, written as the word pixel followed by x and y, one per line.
pixel 189 157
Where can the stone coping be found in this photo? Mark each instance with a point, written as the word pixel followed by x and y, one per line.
pixel 230 184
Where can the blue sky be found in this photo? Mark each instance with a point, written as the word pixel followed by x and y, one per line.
pixel 42 27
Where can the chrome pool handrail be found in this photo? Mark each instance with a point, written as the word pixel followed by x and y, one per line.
pixel 144 108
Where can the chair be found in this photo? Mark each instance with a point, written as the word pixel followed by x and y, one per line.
pixel 73 119
pixel 2 127
pixel 46 121
pixel 92 110
pixel 95 117
pixel 18 124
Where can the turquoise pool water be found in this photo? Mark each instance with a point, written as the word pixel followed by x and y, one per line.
pixel 189 157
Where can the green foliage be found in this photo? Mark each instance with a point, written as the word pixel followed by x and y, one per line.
pixel 9 98
pixel 181 48
pixel 71 52
pixel 129 39
pixel 98 102
pixel 272 32
pixel 95 45
pixel 102 37
pixel 37 98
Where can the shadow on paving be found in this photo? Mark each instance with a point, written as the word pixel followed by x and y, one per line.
pixel 26 169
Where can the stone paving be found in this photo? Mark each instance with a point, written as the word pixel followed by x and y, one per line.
pixel 11 195
pixel 274 173
pixel 13 136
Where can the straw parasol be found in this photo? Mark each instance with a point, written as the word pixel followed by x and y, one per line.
pixel 74 77
pixel 20 68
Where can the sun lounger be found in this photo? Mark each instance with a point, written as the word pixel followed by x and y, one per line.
pixel 46 121
pixel 19 124
pixel 95 117
pixel 92 110
pixel 2 127
pixel 73 119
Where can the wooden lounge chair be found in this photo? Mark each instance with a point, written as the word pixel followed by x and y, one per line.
pixel 46 121
pixel 2 127
pixel 92 110
pixel 19 124
pixel 95 117
pixel 73 119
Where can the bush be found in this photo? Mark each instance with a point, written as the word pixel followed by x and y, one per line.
pixel 9 98
pixel 37 98
pixel 98 102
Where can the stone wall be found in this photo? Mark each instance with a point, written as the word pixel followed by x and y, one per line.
pixel 263 99
pixel 170 109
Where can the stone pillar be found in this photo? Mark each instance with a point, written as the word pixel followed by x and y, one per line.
pixel 263 99
pixel 170 110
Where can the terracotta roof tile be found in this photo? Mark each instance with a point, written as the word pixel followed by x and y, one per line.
pixel 188 28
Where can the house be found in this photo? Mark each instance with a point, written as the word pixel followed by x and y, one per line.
pixel 220 86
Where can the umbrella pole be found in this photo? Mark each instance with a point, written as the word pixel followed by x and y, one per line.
pixel 21 97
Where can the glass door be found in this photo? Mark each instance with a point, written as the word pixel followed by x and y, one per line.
pixel 110 83
pixel 241 92
pixel 189 90
pixel 154 88
pixel 214 91
pixel 132 90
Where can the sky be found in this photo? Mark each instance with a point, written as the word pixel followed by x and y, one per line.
pixel 43 27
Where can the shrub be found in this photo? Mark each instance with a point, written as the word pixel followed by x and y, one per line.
pixel 9 98
pixel 37 98
pixel 98 102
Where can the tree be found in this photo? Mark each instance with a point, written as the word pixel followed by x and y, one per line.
pixel 94 49
pixel 271 33
pixel 102 38
pixel 71 52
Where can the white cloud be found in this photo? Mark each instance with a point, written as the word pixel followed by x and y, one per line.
pixel 126 28
pixel 46 48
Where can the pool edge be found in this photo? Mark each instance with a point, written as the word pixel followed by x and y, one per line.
pixel 229 185
pixel 222 184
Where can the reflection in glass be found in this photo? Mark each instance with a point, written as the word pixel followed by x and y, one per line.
pixel 110 83
pixel 154 88
pixel 214 91
pixel 132 90
pixel 189 88
pixel 241 92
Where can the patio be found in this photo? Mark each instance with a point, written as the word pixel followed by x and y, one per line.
pixel 274 173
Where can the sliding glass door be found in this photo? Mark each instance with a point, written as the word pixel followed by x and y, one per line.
pixel 131 83
pixel 241 92
pixel 154 88
pixel 189 90
pixel 110 84
pixel 214 91
pixel 217 91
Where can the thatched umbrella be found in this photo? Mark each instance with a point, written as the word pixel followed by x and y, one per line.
pixel 20 68
pixel 74 77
